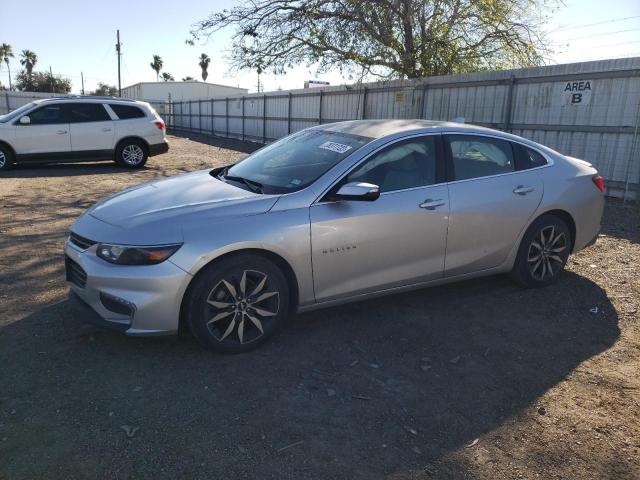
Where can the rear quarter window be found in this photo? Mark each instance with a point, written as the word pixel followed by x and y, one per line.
pixel 125 112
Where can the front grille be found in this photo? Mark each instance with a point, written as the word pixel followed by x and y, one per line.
pixel 81 242
pixel 75 273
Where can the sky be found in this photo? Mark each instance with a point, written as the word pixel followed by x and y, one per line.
pixel 79 36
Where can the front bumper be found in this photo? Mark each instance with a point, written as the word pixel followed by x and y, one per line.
pixel 136 300
pixel 158 148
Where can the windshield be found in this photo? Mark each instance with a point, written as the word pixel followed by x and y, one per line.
pixel 295 161
pixel 16 113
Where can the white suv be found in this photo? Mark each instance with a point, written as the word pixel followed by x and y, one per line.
pixel 82 129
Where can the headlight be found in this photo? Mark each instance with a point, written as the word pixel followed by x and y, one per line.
pixel 128 255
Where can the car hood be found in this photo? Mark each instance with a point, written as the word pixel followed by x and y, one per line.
pixel 157 210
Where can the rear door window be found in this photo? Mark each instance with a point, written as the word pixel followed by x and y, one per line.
pixel 86 112
pixel 477 156
pixel 125 112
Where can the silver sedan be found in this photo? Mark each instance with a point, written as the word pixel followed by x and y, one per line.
pixel 330 214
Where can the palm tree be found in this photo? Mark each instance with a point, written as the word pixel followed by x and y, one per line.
pixel 28 59
pixel 167 77
pixel 156 65
pixel 6 52
pixel 204 65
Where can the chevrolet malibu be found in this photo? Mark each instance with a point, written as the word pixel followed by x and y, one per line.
pixel 331 214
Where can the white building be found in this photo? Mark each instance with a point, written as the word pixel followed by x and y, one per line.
pixel 179 91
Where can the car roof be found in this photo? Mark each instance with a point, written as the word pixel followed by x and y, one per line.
pixel 383 128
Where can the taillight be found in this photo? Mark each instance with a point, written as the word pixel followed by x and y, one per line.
pixel 159 124
pixel 598 181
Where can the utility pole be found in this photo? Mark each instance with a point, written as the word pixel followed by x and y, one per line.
pixel 82 80
pixel 53 83
pixel 119 53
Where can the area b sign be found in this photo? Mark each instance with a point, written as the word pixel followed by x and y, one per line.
pixel 577 93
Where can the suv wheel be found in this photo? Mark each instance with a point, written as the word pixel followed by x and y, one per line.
pixel 543 253
pixel 238 303
pixel 6 158
pixel 132 154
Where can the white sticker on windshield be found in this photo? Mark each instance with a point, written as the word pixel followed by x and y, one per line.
pixel 335 147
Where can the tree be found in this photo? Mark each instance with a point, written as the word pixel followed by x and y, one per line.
pixel 386 38
pixel 156 65
pixel 6 52
pixel 204 65
pixel 105 90
pixel 28 60
pixel 188 79
pixel 42 82
pixel 167 77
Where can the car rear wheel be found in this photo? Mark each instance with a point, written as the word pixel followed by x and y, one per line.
pixel 6 158
pixel 132 154
pixel 543 252
pixel 238 303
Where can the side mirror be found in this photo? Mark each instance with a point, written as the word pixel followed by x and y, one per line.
pixel 25 120
pixel 366 192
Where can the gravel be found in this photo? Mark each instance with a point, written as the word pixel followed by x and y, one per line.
pixel 475 380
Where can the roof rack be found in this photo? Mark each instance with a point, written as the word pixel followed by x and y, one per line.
pixel 100 97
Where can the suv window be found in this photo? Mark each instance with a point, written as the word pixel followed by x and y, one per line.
pixel 86 112
pixel 125 112
pixel 406 164
pixel 48 115
pixel 475 156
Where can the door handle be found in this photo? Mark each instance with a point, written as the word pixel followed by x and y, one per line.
pixel 106 129
pixel 430 204
pixel 523 190
pixel 61 132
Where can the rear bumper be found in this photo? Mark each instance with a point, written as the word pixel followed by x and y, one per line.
pixel 158 148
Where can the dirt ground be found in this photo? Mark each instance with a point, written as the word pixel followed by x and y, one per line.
pixel 476 380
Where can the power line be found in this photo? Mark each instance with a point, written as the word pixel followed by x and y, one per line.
pixel 601 34
pixel 615 20
pixel 602 46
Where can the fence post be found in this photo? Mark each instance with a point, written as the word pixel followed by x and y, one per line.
pixel 289 116
pixel 226 116
pixel 509 103
pixel 423 104
pixel 264 119
pixel 320 109
pixel 213 131
pixel 200 115
pixel 190 116
pixel 364 103
pixel 243 117
pixel 6 97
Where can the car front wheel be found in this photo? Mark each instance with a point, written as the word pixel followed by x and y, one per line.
pixel 132 154
pixel 236 304
pixel 543 252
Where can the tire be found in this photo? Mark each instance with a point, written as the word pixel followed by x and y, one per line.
pixel 132 154
pixel 543 252
pixel 6 158
pixel 222 318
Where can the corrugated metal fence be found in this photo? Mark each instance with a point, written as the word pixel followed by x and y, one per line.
pixel 588 110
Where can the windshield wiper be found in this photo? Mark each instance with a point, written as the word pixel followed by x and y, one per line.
pixel 255 187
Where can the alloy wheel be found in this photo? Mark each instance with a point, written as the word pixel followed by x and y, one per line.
pixel 132 154
pixel 545 256
pixel 3 159
pixel 239 308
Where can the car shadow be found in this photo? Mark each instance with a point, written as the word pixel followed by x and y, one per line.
pixel 386 386
pixel 70 169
